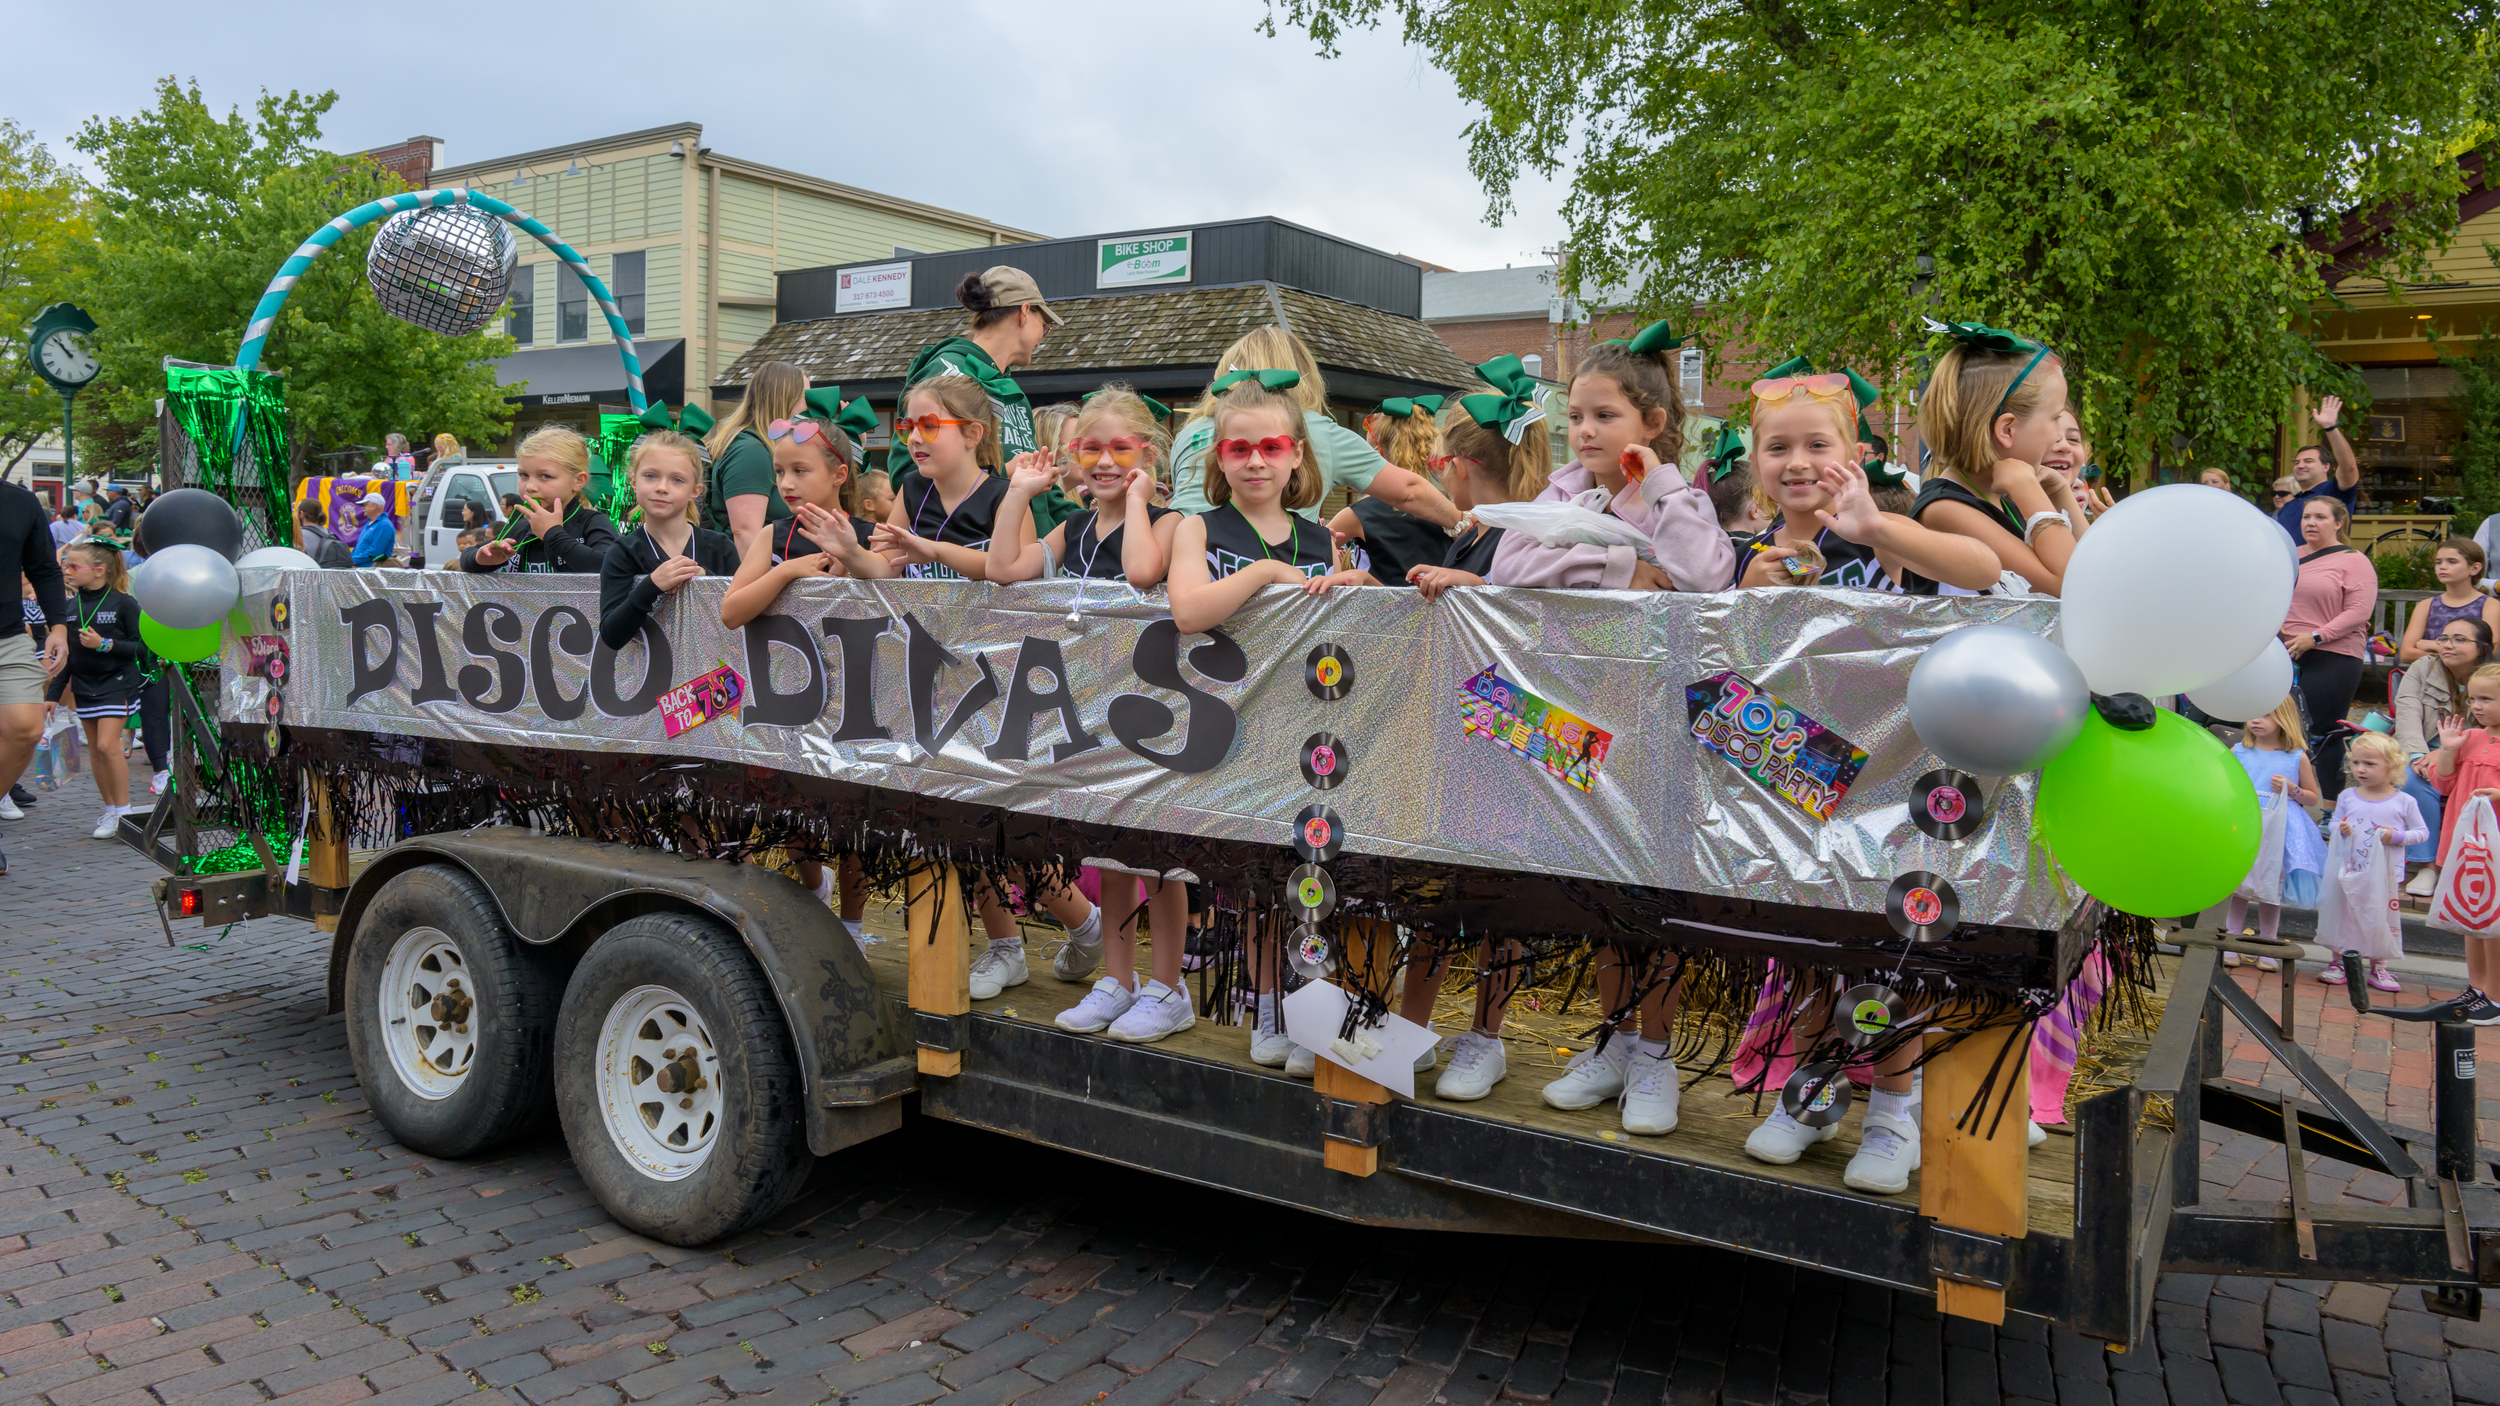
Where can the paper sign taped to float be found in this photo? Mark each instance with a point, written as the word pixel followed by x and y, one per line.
pixel 1383 1053
pixel 1785 752
pixel 691 705
pixel 1567 745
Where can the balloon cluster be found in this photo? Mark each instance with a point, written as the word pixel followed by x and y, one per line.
pixel 193 578
pixel 2179 589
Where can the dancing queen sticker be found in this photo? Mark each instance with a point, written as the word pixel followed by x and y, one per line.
pixel 1785 752
pixel 1508 716
pixel 692 704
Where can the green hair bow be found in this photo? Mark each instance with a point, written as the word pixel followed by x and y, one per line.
pixel 1405 407
pixel 1273 380
pixel 1153 406
pixel 1862 389
pixel 1656 337
pixel 1511 411
pixel 1726 451
pixel 1882 475
pixel 691 421
pixel 1980 337
pixel 824 406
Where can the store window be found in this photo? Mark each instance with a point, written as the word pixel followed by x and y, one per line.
pixel 522 322
pixel 2407 442
pixel 625 285
pixel 572 305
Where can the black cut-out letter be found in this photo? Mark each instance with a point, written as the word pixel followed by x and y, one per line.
pixel 859 636
pixel 577 640
pixel 433 685
pixel 371 675
pixel 655 674
pixel 923 657
pixel 487 622
pixel 1212 725
pixel 1015 730
pixel 766 705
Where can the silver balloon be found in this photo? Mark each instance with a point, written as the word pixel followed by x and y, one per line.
pixel 1996 700
pixel 187 587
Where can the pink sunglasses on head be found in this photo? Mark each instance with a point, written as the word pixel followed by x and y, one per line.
pixel 795 431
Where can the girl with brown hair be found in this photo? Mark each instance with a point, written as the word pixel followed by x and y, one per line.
pixel 741 500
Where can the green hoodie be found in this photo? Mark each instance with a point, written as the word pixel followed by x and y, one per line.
pixel 962 356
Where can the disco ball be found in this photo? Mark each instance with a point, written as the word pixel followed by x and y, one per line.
pixel 446 268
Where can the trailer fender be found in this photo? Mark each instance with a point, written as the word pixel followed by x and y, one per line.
pixel 562 893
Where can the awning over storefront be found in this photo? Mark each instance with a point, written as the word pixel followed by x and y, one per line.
pixel 593 373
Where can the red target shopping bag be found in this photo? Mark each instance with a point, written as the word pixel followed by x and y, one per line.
pixel 2468 900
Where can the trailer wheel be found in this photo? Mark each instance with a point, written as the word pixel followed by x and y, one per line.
pixel 449 1016
pixel 677 1082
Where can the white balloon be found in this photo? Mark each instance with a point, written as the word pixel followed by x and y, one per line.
pixel 2175 588
pixel 275 557
pixel 187 587
pixel 2256 690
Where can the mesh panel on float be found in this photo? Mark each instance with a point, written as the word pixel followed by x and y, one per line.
pixel 445 268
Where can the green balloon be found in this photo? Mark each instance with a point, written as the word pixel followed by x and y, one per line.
pixel 181 646
pixel 2158 823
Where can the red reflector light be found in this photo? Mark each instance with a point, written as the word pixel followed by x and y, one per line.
pixel 189 902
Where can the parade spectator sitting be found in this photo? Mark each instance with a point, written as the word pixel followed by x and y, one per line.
pixel 312 528
pixel 374 543
pixel 398 465
pixel 2311 480
pixel 2431 689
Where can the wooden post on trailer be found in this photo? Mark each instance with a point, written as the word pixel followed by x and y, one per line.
pixel 1379 943
pixel 1966 1178
pixel 938 930
pixel 325 850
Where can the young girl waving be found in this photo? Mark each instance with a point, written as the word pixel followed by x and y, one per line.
pixel 565 533
pixel 946 507
pixel 1252 535
pixel 666 549
pixel 103 672
pixel 1825 529
pixel 812 463
pixel 1115 443
pixel 1627 437
pixel 1989 416
pixel 2365 860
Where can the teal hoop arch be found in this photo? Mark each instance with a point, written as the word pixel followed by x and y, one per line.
pixel 265 313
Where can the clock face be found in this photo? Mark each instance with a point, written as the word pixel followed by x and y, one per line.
pixel 65 357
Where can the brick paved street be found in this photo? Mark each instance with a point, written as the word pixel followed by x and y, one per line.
pixel 195 1206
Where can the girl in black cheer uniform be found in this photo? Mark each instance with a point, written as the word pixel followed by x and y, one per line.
pixel 565 534
pixel 666 549
pixel 103 675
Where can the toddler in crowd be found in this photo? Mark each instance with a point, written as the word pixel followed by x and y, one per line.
pixel 2365 863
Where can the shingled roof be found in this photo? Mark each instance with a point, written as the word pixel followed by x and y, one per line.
pixel 1184 331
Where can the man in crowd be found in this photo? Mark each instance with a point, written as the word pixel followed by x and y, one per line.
pixel 118 509
pixel 2309 468
pixel 374 543
pixel 25 669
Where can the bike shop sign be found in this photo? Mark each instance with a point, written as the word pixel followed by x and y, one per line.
pixel 1142 262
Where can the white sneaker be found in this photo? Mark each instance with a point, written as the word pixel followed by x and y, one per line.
pixel 1270 1048
pixel 158 783
pixel 2036 1136
pixel 1107 1002
pixel 824 886
pixel 1158 1011
pixel 1000 965
pixel 1781 1139
pixel 2424 882
pixel 1650 1094
pixel 1301 1064
pixel 1592 1077
pixel 1477 1063
pixel 8 808
pixel 107 825
pixel 1430 1059
pixel 1887 1156
pixel 1074 961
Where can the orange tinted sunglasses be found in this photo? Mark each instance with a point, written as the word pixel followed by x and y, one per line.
pixel 923 424
pixel 1825 386
pixel 1124 451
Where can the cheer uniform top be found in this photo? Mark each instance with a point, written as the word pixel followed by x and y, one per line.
pixel 968 525
pixel 106 680
pixel 580 543
pixel 626 595
pixel 1232 544
pixel 1100 560
pixel 1939 489
pixel 1396 541
pixel 1845 563
pixel 1472 551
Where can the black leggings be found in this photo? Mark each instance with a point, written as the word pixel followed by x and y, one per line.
pixel 2327 683
pixel 156 730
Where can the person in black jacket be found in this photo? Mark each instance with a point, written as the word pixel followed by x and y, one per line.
pixel 565 533
pixel 103 675
pixel 312 526
pixel 666 549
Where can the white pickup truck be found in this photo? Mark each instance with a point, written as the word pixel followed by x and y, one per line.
pixel 434 527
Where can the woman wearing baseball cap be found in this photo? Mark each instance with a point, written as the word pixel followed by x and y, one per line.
pixel 1009 320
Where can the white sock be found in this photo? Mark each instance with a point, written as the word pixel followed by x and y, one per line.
pixel 1899 1105
pixel 1089 932
pixel 857 927
pixel 1267 1014
pixel 1652 1049
pixel 1014 944
pixel 1619 1045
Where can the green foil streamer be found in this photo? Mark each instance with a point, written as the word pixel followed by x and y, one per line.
pixel 209 402
pixel 617 434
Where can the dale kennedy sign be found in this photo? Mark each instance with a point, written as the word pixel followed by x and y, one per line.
pixel 873 288
pixel 1138 263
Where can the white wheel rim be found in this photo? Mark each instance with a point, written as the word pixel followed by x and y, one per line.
pixel 652 1042
pixel 429 1020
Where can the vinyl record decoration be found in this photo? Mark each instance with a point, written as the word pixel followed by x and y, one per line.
pixel 280 612
pixel 1324 761
pixel 1922 907
pixel 1309 889
pixel 1828 1104
pixel 1871 1011
pixel 1329 672
pixel 1948 804
pixel 273 741
pixel 1310 952
pixel 277 705
pixel 1318 835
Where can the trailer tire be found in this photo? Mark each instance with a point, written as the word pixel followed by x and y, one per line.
pixel 680 1092
pixel 431 940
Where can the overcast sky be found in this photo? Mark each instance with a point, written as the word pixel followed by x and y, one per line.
pixel 1066 118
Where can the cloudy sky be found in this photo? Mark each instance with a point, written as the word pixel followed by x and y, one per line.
pixel 1066 118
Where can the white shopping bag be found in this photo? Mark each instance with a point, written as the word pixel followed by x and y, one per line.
pixel 2468 899
pixel 2264 883
pixel 2357 895
pixel 1580 522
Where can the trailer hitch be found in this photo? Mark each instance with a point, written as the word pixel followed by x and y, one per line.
pixel 2452 1126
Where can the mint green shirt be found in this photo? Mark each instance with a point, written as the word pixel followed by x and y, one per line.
pixel 1346 460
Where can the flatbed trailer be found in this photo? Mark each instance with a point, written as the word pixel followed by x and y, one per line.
pixel 809 1044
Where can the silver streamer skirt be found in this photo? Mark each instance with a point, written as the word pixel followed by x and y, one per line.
pixel 991 696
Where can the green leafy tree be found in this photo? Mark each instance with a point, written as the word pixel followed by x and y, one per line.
pixel 2124 180
pixel 46 244
pixel 195 213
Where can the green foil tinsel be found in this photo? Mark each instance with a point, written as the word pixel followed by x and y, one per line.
pixel 208 402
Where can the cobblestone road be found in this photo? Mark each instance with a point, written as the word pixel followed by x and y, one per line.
pixel 195 1206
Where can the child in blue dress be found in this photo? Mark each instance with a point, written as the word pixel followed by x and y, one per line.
pixel 2276 754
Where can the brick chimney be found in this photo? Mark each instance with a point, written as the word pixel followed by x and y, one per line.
pixel 414 159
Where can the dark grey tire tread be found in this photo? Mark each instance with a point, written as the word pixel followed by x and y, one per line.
pixel 510 1091
pixel 764 1116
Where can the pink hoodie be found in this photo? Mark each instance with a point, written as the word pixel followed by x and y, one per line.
pixel 1683 529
